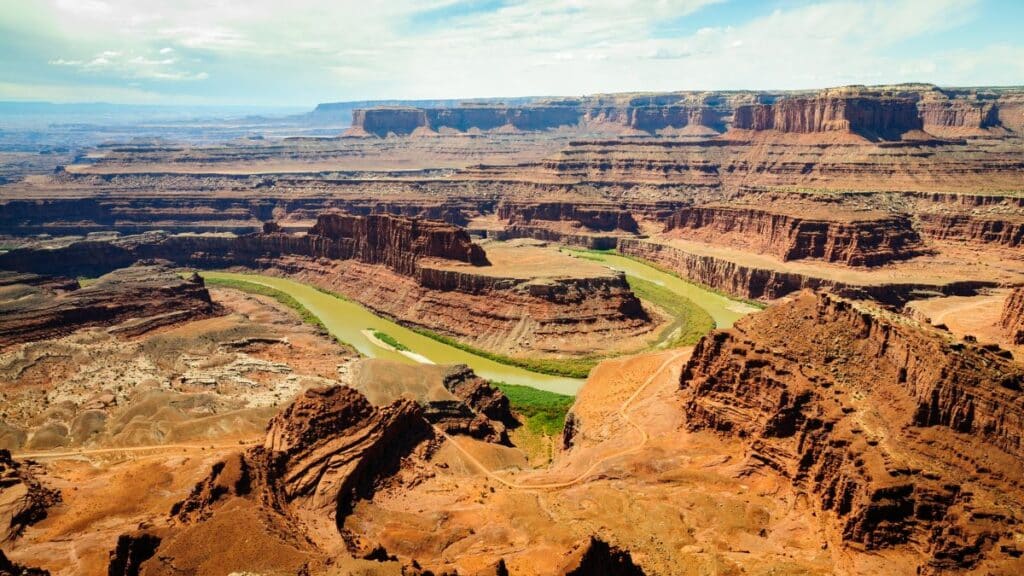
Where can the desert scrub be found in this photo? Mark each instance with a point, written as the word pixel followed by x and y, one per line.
pixel 690 321
pixel 568 367
pixel 389 340
pixel 544 412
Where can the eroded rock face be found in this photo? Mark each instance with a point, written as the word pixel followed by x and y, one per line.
pixel 23 500
pixel 596 558
pixel 1007 230
pixel 150 295
pixel 1012 319
pixel 870 241
pixel 396 242
pixel 876 117
pixel 605 218
pixel 8 568
pixel 903 435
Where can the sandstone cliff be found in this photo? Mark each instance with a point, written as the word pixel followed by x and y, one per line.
pixel 1005 230
pixel 149 296
pixel 1012 319
pixel 596 217
pixel 398 243
pixel 767 283
pixel 23 500
pixel 881 118
pixel 902 435
pixel 854 240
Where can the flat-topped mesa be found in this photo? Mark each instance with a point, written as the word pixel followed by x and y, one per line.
pixel 1012 319
pixel 853 239
pixel 543 116
pixel 874 117
pixel 397 242
pixel 596 217
pixel 905 435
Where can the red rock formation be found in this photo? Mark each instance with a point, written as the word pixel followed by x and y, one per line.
pixel 875 117
pixel 8 568
pixel 596 558
pixel 903 436
pixel 155 295
pixel 131 551
pixel 599 217
pixel 853 240
pixel 1012 319
pixel 758 283
pixel 398 243
pixel 1004 230
pixel 23 500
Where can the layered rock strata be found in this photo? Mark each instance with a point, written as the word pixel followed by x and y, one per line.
pixel 1012 319
pixel 324 452
pixel 149 296
pixel 400 267
pixel 854 241
pixel 875 117
pixel 23 499
pixel 763 283
pixel 595 217
pixel 903 435
pixel 993 229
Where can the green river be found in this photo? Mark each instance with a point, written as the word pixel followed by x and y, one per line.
pixel 349 322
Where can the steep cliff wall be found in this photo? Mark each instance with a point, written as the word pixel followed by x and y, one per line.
pixel 874 117
pixel 154 295
pixel 398 243
pixel 768 284
pixel 902 435
pixel 598 217
pixel 1012 319
pixel 872 241
pixel 1007 230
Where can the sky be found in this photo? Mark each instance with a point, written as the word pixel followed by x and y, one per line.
pixel 302 52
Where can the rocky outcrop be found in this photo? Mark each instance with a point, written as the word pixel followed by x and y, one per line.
pixel 854 241
pixel 765 283
pixel 1012 319
pixel 8 568
pixel 595 557
pixel 398 243
pixel 1006 230
pixel 594 217
pixel 322 453
pixel 149 296
pixel 884 118
pixel 902 435
pixel 478 394
pixel 131 551
pixel 23 499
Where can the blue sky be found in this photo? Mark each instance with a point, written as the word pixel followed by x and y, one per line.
pixel 300 52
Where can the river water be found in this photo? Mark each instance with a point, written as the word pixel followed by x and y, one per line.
pixel 349 322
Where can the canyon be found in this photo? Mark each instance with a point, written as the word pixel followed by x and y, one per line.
pixel 835 389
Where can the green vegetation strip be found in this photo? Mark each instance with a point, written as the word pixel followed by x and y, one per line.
pixel 390 340
pixel 282 297
pixel 690 321
pixel 543 411
pixel 568 367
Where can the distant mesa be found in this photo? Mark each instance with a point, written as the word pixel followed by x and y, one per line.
pixel 882 113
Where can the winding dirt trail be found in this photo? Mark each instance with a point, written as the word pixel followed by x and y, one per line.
pixel 594 465
pixel 153 447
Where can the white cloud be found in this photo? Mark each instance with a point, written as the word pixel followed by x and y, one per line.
pixel 353 49
pixel 132 66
